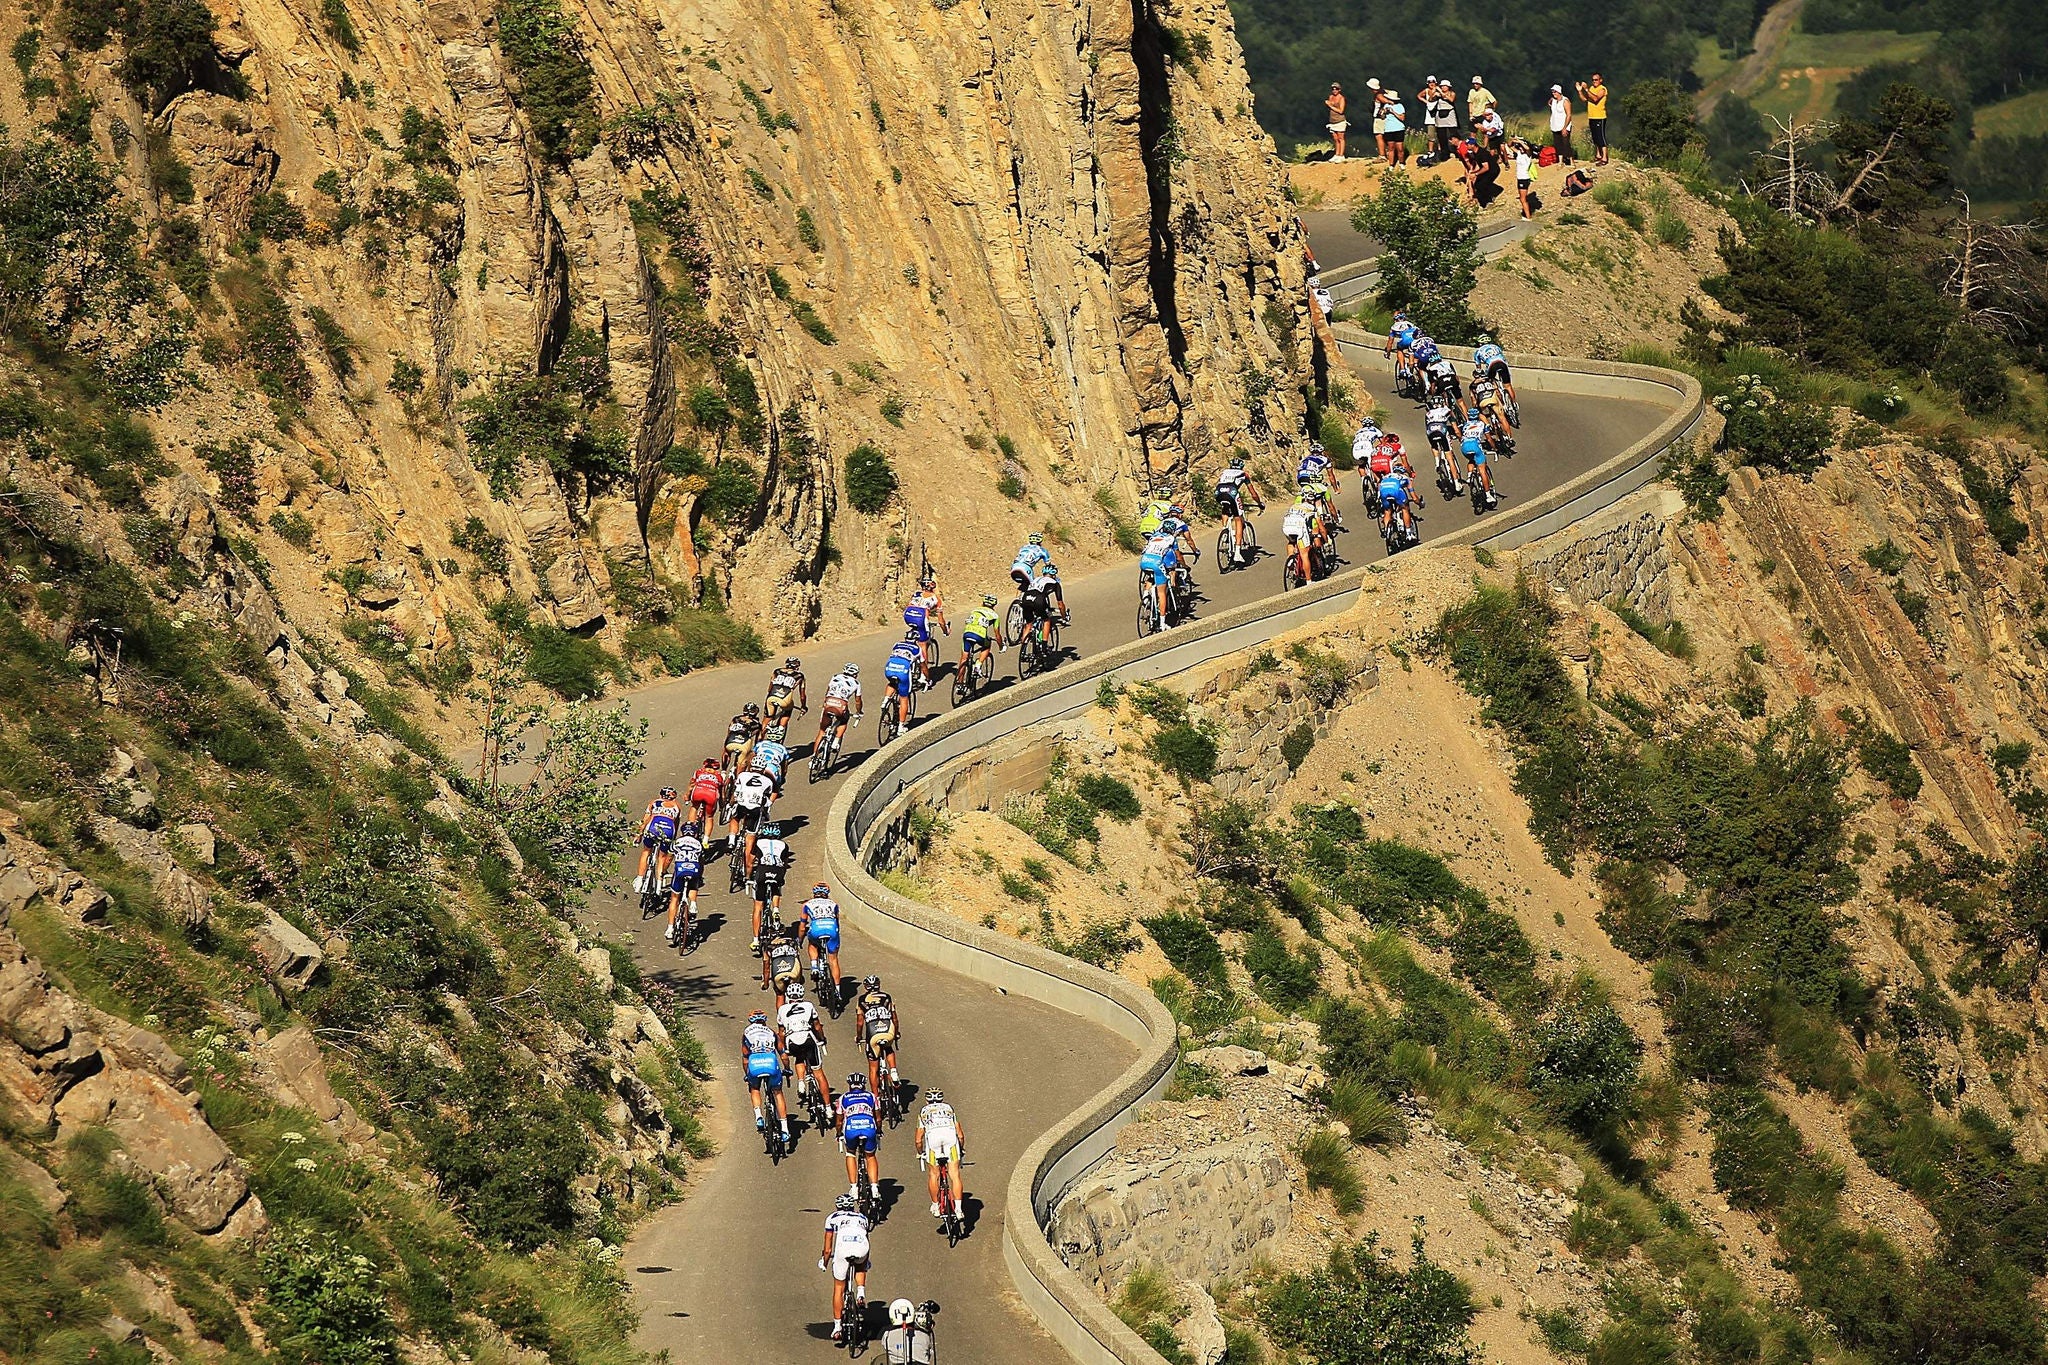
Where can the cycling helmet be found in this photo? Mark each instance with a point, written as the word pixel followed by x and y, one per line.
pixel 934 1097
pixel 795 994
pixel 1484 340
pixel 912 637
pixel 928 582
pixel 851 670
pixel 757 1018
pixel 1400 315
pixel 792 663
pixel 846 1203
pixel 856 1080
pixel 1237 462
pixel 871 982
pixel 771 831
pixel 752 708
pixel 1315 447
pixel 1035 538
pixel 777 733
pixel 668 793
pixel 694 828
pixel 1176 511
pixel 1052 570
pixel 711 762
pixel 901 1311
pixel 988 599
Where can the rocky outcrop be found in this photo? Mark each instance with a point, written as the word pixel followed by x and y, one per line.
pixel 1201 1214
pixel 1259 703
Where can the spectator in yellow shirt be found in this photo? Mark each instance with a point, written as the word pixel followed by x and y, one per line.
pixel 1594 93
pixel 1478 98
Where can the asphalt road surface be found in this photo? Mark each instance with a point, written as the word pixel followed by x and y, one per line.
pixel 730 1274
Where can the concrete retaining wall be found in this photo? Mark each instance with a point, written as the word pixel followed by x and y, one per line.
pixel 881 790
pixel 1200 1215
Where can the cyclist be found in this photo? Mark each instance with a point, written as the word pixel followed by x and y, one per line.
pixel 1364 440
pixel 1295 525
pixel 664 812
pixel 771 755
pixel 782 961
pixel 761 1060
pixel 819 919
pixel 769 862
pixel 752 794
pixel 686 864
pixel 707 789
pixel 860 1132
pixel 1443 377
pixel 740 735
pixel 1316 467
pixel 879 1030
pixel 842 704
pixel 1387 457
pixel 939 1139
pixel 1401 338
pixel 901 672
pixel 1477 428
pixel 1158 564
pixel 1044 599
pixel 1478 468
pixel 802 1030
pixel 980 633
pixel 1025 566
pixel 1234 492
pixel 1487 356
pixel 908 1340
pixel 786 689
pixel 919 617
pixel 1397 487
pixel 846 1253
pixel 1437 421
pixel 1156 511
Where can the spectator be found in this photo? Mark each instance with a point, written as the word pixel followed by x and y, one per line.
pixel 1397 128
pixel 1561 123
pixel 1335 104
pixel 1379 120
pixel 1443 107
pixel 1594 93
pixel 1492 128
pixel 1478 100
pixel 1525 173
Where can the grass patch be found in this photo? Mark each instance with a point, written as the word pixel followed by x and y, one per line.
pixel 1326 1165
pixel 1123 527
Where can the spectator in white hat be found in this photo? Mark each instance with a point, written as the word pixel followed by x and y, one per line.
pixel 1561 123
pixel 1442 106
pixel 1477 99
pixel 1379 118
pixel 1396 120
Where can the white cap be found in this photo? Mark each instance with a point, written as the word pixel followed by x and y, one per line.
pixel 1373 84
pixel 1557 90
pixel 1479 80
pixel 1430 81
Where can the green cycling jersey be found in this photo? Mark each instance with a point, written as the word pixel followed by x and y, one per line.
pixel 981 621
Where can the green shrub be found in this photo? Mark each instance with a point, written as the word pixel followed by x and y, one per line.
pixel 1010 486
pixel 1561 1331
pixel 323 1303
pixel 1295 745
pixel 1588 1061
pixel 892 409
pixel 293 528
pixel 270 339
pixel 1885 557
pixel 1021 888
pixel 1429 265
pixel 1886 757
pixel 1673 231
pixel 1618 198
pixel 1363 1309
pixel 807 231
pixel 870 479
pixel 1758 1158
pixel 565 663
pixel 1773 432
pixel 1162 704
pixel 731 492
pixel 1189 946
pixel 1285 978
pixel 1187 751
pixel 234 464
pixel 1326 1165
pixel 1110 795
pixel 1123 528
pixel 556 88
pixel 339 347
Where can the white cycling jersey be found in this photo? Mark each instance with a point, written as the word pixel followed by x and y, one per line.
pixel 760 1040
pixel 941 1129
pixel 799 1019
pixel 751 790
pixel 771 853
pixel 842 687
pixel 849 1239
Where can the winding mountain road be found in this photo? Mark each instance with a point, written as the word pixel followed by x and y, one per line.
pixel 730 1274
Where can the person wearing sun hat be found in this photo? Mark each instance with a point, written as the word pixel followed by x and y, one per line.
pixel 1338 124
pixel 1396 122
pixel 1379 121
pixel 1477 99
pixel 1561 123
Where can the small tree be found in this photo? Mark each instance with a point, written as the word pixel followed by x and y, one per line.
pixel 1659 122
pixel 1430 265
pixel 1770 432
pixel 870 479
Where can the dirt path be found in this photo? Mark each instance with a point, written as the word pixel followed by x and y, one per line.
pixel 1771 34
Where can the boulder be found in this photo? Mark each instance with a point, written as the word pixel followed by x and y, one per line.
pixel 1198 1328
pixel 43 1186
pixel 176 890
pixel 300 1072
pixel 163 1133
pixel 1230 1061
pixel 288 955
pixel 200 839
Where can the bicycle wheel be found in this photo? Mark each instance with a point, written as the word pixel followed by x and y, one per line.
pixel 1249 547
pixel 1148 612
pixel 1513 410
pixel 1290 573
pixel 1013 623
pixel 962 691
pixel 1027 656
pixel 1049 648
pixel 1226 549
pixel 820 759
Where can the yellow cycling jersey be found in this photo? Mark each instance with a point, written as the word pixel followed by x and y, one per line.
pixel 1154 517
pixel 981 621
pixel 1318 490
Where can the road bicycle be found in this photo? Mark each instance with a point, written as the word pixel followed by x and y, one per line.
pixel 950 1220
pixel 1447 481
pixel 968 681
pixel 894 719
pixel 654 892
pixel 771 1134
pixel 1039 650
pixel 812 1097
pixel 1319 564
pixel 1398 534
pixel 823 989
pixel 736 858
pixel 853 1316
pixel 1150 622
pixel 1013 622
pixel 1227 546
pixel 1484 499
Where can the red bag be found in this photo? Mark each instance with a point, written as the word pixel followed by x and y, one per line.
pixel 1547 157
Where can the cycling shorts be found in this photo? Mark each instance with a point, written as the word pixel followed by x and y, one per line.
pixel 942 1144
pixel 686 879
pixel 1037 606
pixel 1475 451
pixel 764 1069
pixel 1498 372
pixel 804 1053
pixel 1440 438
pixel 844 1262
pixel 881 1041
pixel 1154 568
pixel 860 1144
pixel 1227 503
pixel 657 842
pixel 1393 493
pixel 836 708
pixel 749 817
pixel 1294 527
pixel 826 938
pixel 971 641
pixel 782 976
pixel 901 686
pixel 768 880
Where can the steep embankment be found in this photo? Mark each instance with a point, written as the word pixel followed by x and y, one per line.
pixel 680 262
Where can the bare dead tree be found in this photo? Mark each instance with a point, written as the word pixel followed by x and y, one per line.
pixel 1796 185
pixel 1990 273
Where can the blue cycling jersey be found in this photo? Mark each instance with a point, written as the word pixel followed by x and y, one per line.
pixel 857 1114
pixel 1403 334
pixel 1488 355
pixel 1394 489
pixel 771 758
pixel 689 856
pixel 918 619
pixel 1426 352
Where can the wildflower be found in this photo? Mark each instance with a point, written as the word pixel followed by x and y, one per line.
pixel 291 1137
pixel 306 1164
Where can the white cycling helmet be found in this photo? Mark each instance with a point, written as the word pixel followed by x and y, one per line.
pixel 795 994
pixel 851 670
pixel 901 1311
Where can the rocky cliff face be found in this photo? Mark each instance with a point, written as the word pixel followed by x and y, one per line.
pixel 1041 246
